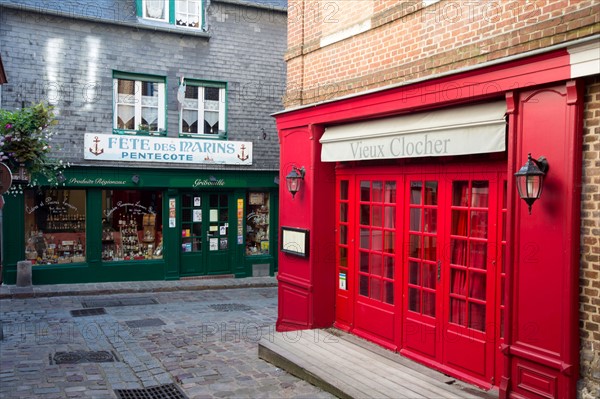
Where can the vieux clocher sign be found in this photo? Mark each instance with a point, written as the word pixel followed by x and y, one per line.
pixel 472 129
pixel 114 147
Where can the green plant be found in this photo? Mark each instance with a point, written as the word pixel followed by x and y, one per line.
pixel 25 139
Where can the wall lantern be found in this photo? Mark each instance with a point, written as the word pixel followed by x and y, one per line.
pixel 294 179
pixel 530 179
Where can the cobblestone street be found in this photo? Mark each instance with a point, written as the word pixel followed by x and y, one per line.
pixel 203 342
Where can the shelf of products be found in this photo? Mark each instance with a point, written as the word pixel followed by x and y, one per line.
pixel 130 243
pixel 56 223
pixel 43 249
pixel 257 224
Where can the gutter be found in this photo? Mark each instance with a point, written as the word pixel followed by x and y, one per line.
pixel 253 5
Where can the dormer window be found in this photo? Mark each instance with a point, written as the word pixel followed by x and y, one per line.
pixel 184 13
pixel 188 13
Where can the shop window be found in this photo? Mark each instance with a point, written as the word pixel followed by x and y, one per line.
pixel 257 223
pixel 203 109
pixel 139 104
pixel 55 226
pixel 131 225
pixel 184 13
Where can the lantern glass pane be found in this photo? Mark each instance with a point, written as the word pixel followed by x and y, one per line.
pixel 533 184
pixel 293 183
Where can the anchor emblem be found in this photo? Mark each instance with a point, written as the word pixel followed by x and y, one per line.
pixel 243 157
pixel 96 151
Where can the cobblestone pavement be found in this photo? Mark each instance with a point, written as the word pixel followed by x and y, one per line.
pixel 205 342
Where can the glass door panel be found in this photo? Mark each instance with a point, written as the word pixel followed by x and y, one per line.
pixel 191 223
pixel 377 240
pixel 422 247
pixel 192 231
pixel 375 251
pixel 217 236
pixel 469 254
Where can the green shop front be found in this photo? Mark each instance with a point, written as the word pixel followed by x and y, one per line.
pixel 115 223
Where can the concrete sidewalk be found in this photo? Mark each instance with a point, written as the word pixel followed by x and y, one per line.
pixel 131 287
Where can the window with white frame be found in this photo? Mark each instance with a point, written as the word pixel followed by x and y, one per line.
pixel 185 13
pixel 156 10
pixel 203 109
pixel 188 13
pixel 139 104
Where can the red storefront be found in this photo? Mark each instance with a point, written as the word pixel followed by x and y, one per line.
pixel 416 237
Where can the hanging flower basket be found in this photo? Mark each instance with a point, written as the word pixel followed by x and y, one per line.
pixel 25 146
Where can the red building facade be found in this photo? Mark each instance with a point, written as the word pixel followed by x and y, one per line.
pixel 416 236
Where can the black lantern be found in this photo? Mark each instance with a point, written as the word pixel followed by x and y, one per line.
pixel 293 180
pixel 530 179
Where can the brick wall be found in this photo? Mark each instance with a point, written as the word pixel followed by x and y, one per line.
pixel 408 41
pixel 590 246
pixel 69 62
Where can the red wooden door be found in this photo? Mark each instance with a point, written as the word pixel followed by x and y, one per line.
pixel 345 220
pixel 470 275
pixel 451 279
pixel 420 267
pixel 375 259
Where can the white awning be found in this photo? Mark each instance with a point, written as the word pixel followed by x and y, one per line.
pixel 473 129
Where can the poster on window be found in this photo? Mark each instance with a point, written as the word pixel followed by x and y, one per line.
pixel 213 244
pixel 197 215
pixel 223 244
pixel 172 213
pixel 343 281
pixel 197 201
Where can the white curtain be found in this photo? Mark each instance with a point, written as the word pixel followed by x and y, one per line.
pixel 155 9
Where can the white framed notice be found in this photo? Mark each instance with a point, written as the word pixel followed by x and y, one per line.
pixel 295 241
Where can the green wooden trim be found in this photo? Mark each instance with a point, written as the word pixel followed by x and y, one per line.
pixel 205 83
pixel 172 12
pixel 140 76
pixel 93 227
pixel 188 178
pixel 226 108
pixel 216 84
pixel 139 132
pixel 171 237
pixel 139 8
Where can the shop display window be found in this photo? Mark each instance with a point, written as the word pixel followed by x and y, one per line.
pixel 55 226
pixel 131 225
pixel 257 223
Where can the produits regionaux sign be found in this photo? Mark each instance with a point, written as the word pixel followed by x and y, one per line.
pixel 129 148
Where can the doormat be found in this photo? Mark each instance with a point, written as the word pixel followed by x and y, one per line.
pixel 88 312
pixel 230 307
pixel 76 357
pixel 124 301
pixel 168 391
pixel 145 323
